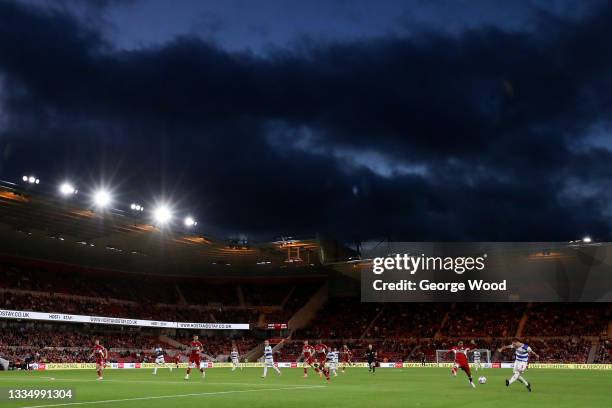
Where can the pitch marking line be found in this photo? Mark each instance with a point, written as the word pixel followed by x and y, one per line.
pixel 198 394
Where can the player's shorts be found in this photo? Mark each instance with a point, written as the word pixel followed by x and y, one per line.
pixel 160 360
pixel 235 361
pixel 333 366
pixel 520 366
pixel 100 363
pixel 476 361
pixel 465 366
pixel 310 361
pixel 194 361
pixel 269 363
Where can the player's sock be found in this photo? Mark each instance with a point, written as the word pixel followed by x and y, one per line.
pixel 277 370
pixel 265 371
pixel 154 370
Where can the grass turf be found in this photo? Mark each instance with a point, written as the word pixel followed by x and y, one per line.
pixel 414 387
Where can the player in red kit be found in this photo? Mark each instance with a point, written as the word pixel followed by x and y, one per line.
pixel 461 361
pixel 195 351
pixel 347 356
pixel 308 357
pixel 321 357
pixel 101 354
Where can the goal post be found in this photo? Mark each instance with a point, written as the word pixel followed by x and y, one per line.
pixel 447 356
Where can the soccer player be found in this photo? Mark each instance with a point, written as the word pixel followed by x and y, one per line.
pixel 269 359
pixel 461 361
pixel 308 358
pixel 195 350
pixel 159 359
pixel 321 357
pixel 347 356
pixel 101 354
pixel 371 356
pixel 476 355
pixel 522 352
pixel 332 358
pixel 235 359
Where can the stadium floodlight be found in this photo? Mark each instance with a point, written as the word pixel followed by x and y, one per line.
pixel 162 214
pixel 101 198
pixel 136 207
pixel 587 240
pixel 30 179
pixel 67 189
pixel 190 222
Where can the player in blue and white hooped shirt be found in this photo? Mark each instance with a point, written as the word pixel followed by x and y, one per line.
pixel 159 359
pixel 269 359
pixel 235 357
pixel 332 360
pixel 522 352
pixel 476 355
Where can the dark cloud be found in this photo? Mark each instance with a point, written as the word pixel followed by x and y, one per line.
pixel 486 135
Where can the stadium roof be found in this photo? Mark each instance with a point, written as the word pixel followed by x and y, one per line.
pixel 45 227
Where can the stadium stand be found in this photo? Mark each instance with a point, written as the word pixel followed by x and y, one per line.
pixel 64 260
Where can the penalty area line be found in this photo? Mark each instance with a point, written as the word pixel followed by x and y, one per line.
pixel 197 394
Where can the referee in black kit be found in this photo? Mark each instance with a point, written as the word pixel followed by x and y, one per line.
pixel 371 356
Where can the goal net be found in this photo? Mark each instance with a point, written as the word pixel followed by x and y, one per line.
pixel 447 356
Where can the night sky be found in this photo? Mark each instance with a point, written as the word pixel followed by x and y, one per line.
pixel 422 120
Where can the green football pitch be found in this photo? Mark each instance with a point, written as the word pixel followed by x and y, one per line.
pixel 410 387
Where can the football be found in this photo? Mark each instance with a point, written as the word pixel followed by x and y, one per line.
pixel 482 380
